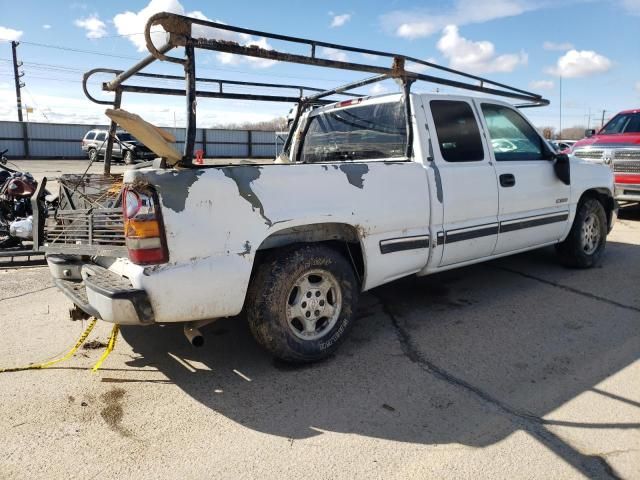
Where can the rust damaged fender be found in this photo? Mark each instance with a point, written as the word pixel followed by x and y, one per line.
pixel 216 218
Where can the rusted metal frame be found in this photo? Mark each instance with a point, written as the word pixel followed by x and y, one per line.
pixel 145 62
pixel 208 94
pixel 406 90
pixel 108 154
pixel 221 82
pixel 180 27
pixel 190 85
pixel 349 86
pixel 38 208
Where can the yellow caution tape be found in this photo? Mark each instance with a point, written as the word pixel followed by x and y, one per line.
pixel 37 366
pixel 110 345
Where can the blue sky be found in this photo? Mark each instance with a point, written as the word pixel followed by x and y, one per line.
pixel 518 42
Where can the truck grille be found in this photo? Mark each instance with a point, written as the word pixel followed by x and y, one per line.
pixel 626 167
pixel 589 154
pixel 630 154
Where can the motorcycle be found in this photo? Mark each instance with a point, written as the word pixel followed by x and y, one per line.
pixel 16 215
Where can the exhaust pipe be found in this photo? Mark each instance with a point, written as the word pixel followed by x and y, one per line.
pixel 194 335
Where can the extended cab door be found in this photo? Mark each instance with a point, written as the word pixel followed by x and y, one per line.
pixel 534 203
pixel 469 190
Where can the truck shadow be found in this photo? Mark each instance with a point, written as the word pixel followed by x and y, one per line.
pixel 468 356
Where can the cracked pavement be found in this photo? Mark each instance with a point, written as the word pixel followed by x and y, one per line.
pixel 518 368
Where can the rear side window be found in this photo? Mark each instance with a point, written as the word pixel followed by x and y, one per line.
pixel 457 129
pixel 101 136
pixel 367 132
pixel 90 136
pixel 512 138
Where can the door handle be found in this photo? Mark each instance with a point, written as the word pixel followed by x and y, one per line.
pixel 507 180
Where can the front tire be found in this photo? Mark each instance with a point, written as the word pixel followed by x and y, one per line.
pixel 301 302
pixel 586 241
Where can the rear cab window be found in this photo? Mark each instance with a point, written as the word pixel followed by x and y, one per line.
pixel 101 136
pixel 373 131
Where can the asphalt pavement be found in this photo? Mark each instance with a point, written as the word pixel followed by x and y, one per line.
pixel 516 368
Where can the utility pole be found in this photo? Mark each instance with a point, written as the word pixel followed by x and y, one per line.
pixel 560 129
pixel 19 85
pixel 602 121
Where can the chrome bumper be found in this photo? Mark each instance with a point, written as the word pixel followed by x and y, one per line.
pixel 626 192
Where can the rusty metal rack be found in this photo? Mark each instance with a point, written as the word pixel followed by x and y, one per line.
pixel 89 217
pixel 180 34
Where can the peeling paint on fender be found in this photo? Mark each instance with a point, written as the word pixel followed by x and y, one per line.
pixel 243 175
pixel 355 173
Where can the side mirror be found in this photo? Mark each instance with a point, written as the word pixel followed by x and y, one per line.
pixel 562 167
pixel 589 132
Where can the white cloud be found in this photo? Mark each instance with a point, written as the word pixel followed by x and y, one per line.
pixel 132 24
pixel 66 108
pixel 557 46
pixel 4 85
pixel 95 27
pixel 334 54
pixel 581 63
pixel 46 26
pixel 378 89
pixel 9 34
pixel 340 20
pixel 542 84
pixel 476 57
pixel 419 23
pixel 631 6
pixel 419 67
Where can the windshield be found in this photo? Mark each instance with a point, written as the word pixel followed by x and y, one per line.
pixel 366 132
pixel 623 123
pixel 126 137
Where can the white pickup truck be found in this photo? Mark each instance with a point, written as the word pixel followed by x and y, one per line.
pixel 294 244
pixel 371 190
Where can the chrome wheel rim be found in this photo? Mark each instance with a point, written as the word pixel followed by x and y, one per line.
pixel 590 234
pixel 314 304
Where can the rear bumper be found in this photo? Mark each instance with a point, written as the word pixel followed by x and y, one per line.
pixel 100 292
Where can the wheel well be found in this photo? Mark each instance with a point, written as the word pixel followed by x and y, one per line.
pixel 341 237
pixel 604 196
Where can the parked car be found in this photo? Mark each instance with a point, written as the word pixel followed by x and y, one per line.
pixel 294 244
pixel 618 145
pixel 563 146
pixel 125 146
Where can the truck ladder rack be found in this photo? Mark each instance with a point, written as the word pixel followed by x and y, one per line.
pixel 179 30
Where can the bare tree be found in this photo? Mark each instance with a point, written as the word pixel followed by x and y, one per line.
pixel 572 133
pixel 547 132
pixel 275 124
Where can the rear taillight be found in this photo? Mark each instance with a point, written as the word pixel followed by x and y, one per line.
pixel 143 229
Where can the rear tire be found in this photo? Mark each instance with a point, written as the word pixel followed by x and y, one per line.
pixel 587 239
pixel 93 154
pixel 301 302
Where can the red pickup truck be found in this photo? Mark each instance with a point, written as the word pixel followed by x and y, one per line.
pixel 617 144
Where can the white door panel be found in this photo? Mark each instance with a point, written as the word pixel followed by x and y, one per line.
pixel 469 184
pixel 533 202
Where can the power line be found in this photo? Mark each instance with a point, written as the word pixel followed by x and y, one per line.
pixel 79 50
